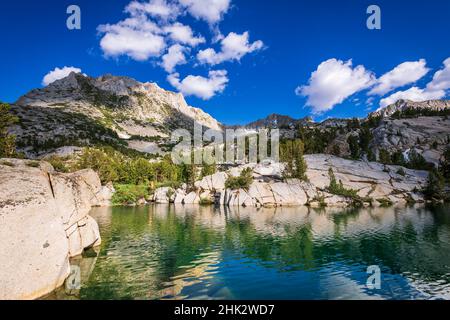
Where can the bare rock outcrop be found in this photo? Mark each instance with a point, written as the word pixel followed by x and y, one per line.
pixel 44 221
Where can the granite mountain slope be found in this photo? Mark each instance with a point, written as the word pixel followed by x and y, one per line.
pixel 80 110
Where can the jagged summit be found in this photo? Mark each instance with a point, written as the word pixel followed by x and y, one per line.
pixel 139 101
pixel 277 121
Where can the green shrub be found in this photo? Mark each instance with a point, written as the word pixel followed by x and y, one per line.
pixel 337 188
pixel 355 149
pixel 116 167
pixel 320 200
pixel 444 166
pixel 208 170
pixel 127 194
pixel 401 172
pixel 398 159
pixel 292 152
pixel 206 202
pixel 59 164
pixel 385 203
pixel 244 180
pixel 371 156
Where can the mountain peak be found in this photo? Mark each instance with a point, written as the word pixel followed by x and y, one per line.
pixel 276 120
pixel 120 104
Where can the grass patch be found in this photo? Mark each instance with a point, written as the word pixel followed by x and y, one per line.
pixel 6 163
pixel 33 164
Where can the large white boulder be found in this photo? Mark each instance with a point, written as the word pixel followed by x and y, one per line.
pixel 43 222
pixel 262 194
pixel 192 198
pixel 269 169
pixel 215 182
pixel 104 196
pixel 289 194
pixel 164 195
pixel 180 194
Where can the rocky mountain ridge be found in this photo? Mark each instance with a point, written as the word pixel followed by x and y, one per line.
pixel 111 109
pixel 78 111
pixel 404 105
pixel 277 121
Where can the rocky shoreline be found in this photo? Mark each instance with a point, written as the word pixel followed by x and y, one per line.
pixel 372 182
pixel 44 221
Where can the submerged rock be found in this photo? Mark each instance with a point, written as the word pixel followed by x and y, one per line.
pixel 43 222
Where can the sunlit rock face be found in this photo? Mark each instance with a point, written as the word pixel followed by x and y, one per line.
pixel 43 222
pixel 429 136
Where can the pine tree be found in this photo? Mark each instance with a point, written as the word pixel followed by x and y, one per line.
pixel 299 161
pixel 435 186
pixel 384 156
pixel 445 164
pixel 7 141
pixel 355 150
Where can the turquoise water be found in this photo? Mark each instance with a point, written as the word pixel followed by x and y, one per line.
pixel 163 252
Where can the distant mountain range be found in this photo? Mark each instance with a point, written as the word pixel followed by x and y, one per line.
pixel 119 111
pixel 279 121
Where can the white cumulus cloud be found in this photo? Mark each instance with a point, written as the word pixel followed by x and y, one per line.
pixel 441 79
pixel 204 88
pixel 58 74
pixel 183 34
pixel 233 47
pixel 437 88
pixel 333 82
pixel 155 8
pixel 137 37
pixel 211 11
pixel 404 74
pixel 157 31
pixel 175 56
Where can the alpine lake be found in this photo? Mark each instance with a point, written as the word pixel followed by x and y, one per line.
pixel 205 252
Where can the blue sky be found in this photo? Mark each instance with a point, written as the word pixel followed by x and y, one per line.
pixel 245 78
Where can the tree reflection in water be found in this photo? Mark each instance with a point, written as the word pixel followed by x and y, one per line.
pixel 168 252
